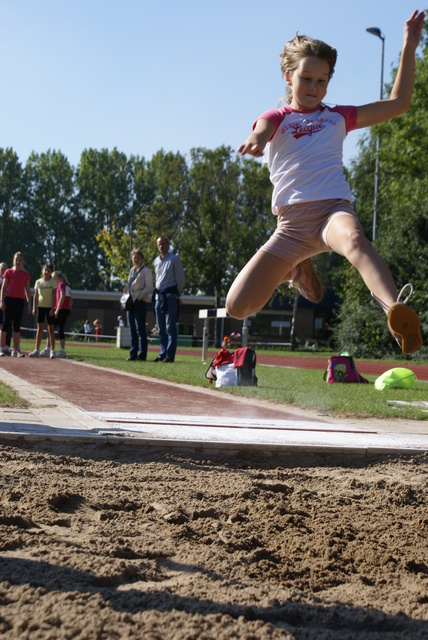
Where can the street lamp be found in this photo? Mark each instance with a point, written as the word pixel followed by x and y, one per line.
pixel 375 31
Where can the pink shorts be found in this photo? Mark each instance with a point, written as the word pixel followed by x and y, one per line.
pixel 302 229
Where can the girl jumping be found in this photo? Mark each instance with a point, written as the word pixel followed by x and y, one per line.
pixel 303 143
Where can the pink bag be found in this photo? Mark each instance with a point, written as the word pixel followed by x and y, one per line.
pixel 341 368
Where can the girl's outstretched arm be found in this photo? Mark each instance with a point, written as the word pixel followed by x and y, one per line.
pixel 35 301
pixel 257 140
pixel 401 94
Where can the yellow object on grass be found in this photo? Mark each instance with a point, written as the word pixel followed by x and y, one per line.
pixel 399 377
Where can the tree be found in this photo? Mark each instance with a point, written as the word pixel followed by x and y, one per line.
pixel 161 200
pixel 211 227
pixel 10 203
pixel 403 215
pixel 105 180
pixel 256 222
pixel 46 217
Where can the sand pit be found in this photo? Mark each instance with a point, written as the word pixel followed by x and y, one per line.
pixel 100 543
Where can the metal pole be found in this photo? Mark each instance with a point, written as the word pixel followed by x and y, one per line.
pixel 375 31
pixel 204 341
pixel 245 332
pixel 293 320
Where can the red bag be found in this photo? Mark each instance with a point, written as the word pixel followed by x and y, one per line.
pixel 243 360
pixel 223 357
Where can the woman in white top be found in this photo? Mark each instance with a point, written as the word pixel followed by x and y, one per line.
pixel 139 287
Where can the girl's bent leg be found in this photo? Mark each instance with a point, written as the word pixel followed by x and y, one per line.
pixel 346 237
pixel 255 284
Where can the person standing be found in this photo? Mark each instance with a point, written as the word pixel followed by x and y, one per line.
pixel 98 330
pixel 44 306
pixel 15 289
pixel 64 302
pixel 139 287
pixel 170 278
pixel 87 330
pixel 7 350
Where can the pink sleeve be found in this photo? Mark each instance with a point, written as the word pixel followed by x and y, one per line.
pixel 275 116
pixel 350 115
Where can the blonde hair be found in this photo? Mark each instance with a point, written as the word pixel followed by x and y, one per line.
pixel 303 47
pixel 59 274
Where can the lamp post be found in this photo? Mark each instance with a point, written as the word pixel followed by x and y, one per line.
pixel 375 31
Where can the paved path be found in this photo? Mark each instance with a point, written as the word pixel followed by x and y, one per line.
pixel 93 403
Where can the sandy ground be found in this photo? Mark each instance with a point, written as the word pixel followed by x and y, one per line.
pixel 100 543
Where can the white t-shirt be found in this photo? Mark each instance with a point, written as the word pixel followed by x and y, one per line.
pixel 304 155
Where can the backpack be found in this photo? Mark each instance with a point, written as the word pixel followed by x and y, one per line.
pixel 233 369
pixel 245 363
pixel 341 368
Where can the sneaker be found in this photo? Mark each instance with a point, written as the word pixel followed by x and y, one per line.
pixel 2 353
pixel 45 353
pixel 7 350
pixel 306 281
pixel 52 355
pixel 17 353
pixel 34 354
pixel 61 354
pixel 404 324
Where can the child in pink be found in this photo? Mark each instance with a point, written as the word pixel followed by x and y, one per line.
pixel 15 289
pixel 63 307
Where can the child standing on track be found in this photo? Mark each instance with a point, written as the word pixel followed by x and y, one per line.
pixel 64 303
pixel 63 306
pixel 311 197
pixel 44 302
pixel 8 352
pixel 15 289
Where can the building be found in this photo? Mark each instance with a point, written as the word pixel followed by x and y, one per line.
pixel 271 325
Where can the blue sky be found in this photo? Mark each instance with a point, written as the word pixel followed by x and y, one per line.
pixel 143 75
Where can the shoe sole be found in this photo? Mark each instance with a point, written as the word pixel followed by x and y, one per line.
pixel 405 325
pixel 315 294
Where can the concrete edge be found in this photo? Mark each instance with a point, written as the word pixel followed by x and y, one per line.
pixel 215 448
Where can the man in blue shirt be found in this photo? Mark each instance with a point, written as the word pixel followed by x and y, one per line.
pixel 169 274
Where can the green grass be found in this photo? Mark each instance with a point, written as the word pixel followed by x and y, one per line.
pixel 302 388
pixel 8 398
